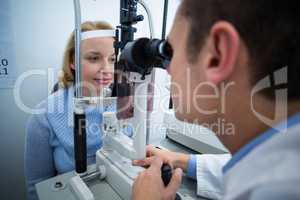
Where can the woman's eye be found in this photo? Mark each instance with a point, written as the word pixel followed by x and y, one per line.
pixel 93 58
pixel 112 59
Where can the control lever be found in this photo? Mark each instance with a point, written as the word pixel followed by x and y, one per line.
pixel 166 175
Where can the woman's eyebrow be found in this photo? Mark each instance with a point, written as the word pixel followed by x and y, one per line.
pixel 99 53
pixel 94 52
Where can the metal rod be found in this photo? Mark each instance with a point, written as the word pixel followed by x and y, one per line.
pixel 80 149
pixel 165 16
pixel 77 32
pixel 150 106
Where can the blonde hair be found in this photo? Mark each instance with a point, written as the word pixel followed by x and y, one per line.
pixel 66 78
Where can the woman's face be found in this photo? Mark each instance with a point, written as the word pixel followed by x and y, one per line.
pixel 97 58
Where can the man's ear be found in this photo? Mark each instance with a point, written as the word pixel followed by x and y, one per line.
pixel 223 45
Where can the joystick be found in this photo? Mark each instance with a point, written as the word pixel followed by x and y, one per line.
pixel 166 175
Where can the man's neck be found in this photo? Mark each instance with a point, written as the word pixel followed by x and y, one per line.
pixel 250 126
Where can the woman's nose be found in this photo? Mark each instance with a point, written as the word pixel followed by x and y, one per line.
pixel 106 66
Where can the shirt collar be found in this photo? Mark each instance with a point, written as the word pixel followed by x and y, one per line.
pixel 244 151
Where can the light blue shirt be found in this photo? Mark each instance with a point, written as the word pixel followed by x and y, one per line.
pixel 49 148
pixel 192 167
pixel 243 152
pixel 192 164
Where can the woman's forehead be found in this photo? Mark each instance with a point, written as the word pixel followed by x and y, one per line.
pixel 101 44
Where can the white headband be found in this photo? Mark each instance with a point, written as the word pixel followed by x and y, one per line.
pixel 97 33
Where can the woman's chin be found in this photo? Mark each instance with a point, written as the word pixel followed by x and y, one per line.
pixel 95 88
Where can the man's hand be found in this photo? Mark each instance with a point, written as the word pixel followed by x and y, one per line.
pixel 175 160
pixel 149 185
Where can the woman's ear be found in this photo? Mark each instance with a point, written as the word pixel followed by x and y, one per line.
pixel 224 46
pixel 72 66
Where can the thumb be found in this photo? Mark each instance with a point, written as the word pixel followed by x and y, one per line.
pixel 175 182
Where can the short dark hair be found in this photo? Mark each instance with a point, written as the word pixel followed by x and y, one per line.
pixel 269 28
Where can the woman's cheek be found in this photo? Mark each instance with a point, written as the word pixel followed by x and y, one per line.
pixel 89 70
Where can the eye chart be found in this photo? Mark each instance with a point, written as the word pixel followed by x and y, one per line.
pixel 7 51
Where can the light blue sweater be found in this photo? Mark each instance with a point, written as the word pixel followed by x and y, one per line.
pixel 49 139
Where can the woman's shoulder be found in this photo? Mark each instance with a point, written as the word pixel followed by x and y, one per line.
pixel 47 105
pixel 52 100
pixel 59 95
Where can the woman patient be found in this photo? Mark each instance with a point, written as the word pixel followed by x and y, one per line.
pixel 49 137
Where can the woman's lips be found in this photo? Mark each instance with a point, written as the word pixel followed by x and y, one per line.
pixel 103 81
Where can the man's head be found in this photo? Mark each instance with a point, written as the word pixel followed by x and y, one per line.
pixel 222 48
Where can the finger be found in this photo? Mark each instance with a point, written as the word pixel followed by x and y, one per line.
pixel 150 151
pixel 153 151
pixel 138 162
pixel 156 164
pixel 143 163
pixel 175 182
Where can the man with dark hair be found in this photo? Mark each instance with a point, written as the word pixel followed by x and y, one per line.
pixel 236 61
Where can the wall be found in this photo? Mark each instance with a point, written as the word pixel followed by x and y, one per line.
pixel 40 32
